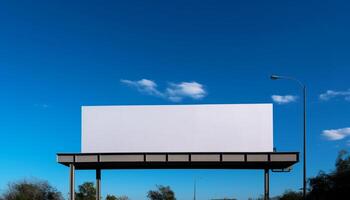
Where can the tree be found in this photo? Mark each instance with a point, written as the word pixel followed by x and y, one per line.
pixel 334 185
pixel 341 176
pixel 291 195
pixel 321 186
pixel 162 193
pixel 31 190
pixel 86 191
pixel 112 197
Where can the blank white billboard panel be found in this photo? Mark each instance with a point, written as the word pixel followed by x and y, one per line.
pixel 177 128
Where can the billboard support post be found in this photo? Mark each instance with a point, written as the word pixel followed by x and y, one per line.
pixel 266 184
pixel 98 184
pixel 71 182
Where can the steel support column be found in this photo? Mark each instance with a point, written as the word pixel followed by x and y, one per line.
pixel 71 182
pixel 266 185
pixel 98 184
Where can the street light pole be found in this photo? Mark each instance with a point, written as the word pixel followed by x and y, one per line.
pixel 304 167
pixel 275 77
pixel 194 189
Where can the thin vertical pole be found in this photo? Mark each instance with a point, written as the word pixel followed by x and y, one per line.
pixel 71 182
pixel 266 185
pixel 304 166
pixel 194 189
pixel 98 184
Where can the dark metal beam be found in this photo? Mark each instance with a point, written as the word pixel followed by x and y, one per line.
pixel 266 184
pixel 71 182
pixel 98 184
pixel 251 160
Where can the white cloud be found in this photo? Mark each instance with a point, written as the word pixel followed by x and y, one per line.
pixel 284 99
pixel 336 134
pixel 144 85
pixel 329 94
pixel 194 90
pixel 175 92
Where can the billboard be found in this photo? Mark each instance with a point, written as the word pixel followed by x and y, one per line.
pixel 177 128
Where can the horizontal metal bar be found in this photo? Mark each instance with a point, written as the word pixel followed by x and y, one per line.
pixel 170 153
pixel 180 160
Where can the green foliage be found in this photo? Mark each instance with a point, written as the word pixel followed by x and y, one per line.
pixel 112 197
pixel 31 190
pixel 86 191
pixel 334 185
pixel 291 195
pixel 162 193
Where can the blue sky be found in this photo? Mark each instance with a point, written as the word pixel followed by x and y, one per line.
pixel 56 56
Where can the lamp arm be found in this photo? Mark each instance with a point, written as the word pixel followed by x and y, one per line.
pixel 293 79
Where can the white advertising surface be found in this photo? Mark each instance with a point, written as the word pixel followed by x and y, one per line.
pixel 177 128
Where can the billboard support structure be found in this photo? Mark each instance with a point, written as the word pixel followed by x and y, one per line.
pixel 98 184
pixel 265 161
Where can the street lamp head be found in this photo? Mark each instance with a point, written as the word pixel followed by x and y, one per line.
pixel 274 77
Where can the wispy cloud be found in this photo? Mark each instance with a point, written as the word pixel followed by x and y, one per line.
pixel 336 134
pixel 279 99
pixel 144 85
pixel 329 94
pixel 175 92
